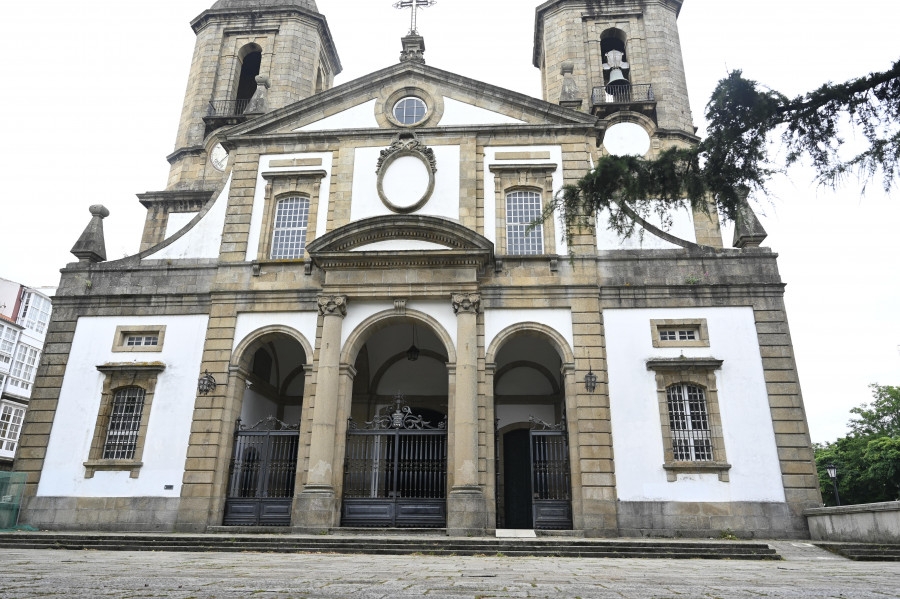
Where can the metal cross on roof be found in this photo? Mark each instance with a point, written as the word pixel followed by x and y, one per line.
pixel 415 5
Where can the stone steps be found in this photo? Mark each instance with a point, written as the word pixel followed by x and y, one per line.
pixel 542 547
pixel 865 552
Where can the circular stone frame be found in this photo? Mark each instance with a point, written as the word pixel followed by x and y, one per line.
pixel 386 166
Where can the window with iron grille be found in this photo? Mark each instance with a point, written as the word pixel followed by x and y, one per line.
pixel 289 234
pixel 522 209
pixel 25 363
pixel 124 424
pixel 689 423
pixel 35 312
pixel 10 426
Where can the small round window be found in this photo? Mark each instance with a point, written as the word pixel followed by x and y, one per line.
pixel 410 110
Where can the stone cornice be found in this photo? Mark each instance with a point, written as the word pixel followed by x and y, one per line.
pixel 683 363
pixel 131 367
pixel 187 200
pixel 513 167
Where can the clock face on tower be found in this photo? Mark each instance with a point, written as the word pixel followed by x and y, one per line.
pixel 219 157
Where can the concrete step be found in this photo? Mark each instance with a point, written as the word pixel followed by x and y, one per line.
pixel 406 545
pixel 864 552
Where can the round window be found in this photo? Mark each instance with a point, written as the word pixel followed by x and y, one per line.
pixel 410 110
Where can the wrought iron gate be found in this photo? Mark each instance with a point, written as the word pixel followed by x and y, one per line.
pixel 395 472
pixel 261 480
pixel 550 475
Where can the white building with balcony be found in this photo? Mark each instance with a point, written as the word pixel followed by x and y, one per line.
pixel 24 314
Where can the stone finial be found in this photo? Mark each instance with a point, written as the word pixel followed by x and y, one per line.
pixel 91 246
pixel 413 49
pixel 570 97
pixel 259 102
pixel 748 231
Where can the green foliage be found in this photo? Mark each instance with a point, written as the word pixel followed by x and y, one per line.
pixel 868 459
pixel 735 160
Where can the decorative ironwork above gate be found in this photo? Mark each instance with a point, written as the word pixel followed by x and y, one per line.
pixel 269 423
pixel 539 425
pixel 401 418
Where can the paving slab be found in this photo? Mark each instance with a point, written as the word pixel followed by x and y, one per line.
pixel 806 572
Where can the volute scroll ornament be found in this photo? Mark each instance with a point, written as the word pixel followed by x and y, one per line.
pixel 408 144
pixel 332 305
pixel 466 303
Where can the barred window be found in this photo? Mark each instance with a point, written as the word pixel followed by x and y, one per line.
pixel 289 237
pixel 25 363
pixel 689 423
pixel 522 209
pixel 35 312
pixel 124 424
pixel 10 426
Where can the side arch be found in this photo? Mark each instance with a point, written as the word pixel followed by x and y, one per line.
pixel 531 329
pixel 241 357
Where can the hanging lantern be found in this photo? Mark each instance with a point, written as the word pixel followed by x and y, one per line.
pixel 412 354
pixel 590 379
pixel 206 384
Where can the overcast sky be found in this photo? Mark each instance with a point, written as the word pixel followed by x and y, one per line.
pixel 93 91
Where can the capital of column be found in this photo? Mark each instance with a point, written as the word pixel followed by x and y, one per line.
pixel 333 305
pixel 466 303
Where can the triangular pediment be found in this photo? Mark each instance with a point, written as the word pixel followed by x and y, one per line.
pixel 454 102
pixel 402 240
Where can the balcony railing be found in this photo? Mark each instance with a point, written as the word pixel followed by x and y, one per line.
pixel 622 94
pixel 226 108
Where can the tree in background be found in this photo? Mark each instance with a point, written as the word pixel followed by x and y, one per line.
pixel 868 459
pixel 740 153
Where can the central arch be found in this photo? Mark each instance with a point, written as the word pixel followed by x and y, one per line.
pixel 397 401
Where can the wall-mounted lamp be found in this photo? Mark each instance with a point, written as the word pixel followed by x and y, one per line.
pixel 590 379
pixel 206 384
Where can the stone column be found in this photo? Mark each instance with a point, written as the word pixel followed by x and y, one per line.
pixel 466 509
pixel 316 506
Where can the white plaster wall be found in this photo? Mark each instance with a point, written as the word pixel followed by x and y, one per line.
pixel 177 221
pixel 204 240
pixel 461 113
pixel 558 319
pixel 259 194
pixel 358 311
pixel 444 202
pixel 682 227
pixel 392 245
pixel 361 116
pixel 302 322
pixel 749 438
pixel 255 407
pixel 490 204
pixel 171 412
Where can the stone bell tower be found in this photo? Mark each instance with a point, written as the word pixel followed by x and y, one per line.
pixel 251 57
pixel 613 56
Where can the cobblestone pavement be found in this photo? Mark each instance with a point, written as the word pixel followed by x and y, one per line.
pixel 806 572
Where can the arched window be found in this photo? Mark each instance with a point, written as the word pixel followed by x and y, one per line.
pixel 250 65
pixel 124 424
pixel 522 209
pixel 289 234
pixel 689 423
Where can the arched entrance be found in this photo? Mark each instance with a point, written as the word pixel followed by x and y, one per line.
pixel 533 486
pixel 395 464
pixel 264 459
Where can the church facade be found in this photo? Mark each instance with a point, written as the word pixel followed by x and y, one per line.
pixel 341 314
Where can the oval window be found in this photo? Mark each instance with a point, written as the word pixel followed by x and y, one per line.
pixel 410 110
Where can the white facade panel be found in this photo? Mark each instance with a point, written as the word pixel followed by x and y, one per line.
pixel 361 116
pixel 749 438
pixel 444 201
pixel 490 205
pixel 204 240
pixel 259 195
pixel 681 226
pixel 302 322
pixel 458 113
pixel 171 413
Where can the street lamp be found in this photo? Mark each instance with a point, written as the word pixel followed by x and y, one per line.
pixel 590 379
pixel 831 469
